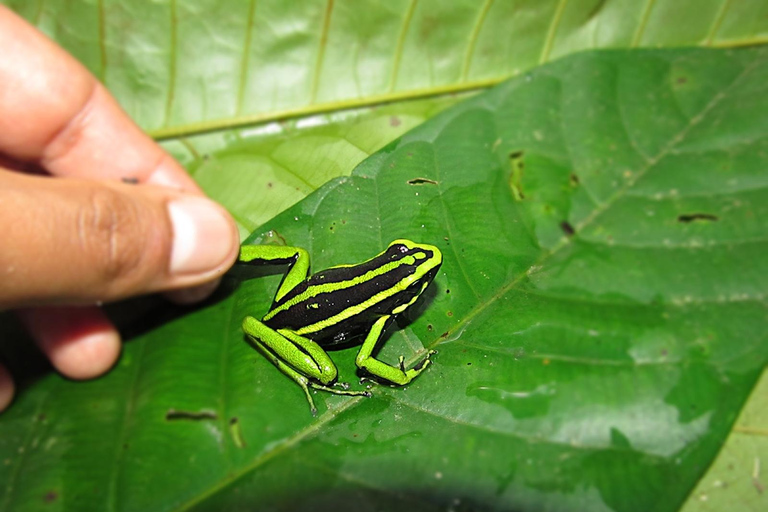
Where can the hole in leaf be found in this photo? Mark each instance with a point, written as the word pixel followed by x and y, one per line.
pixel 174 414
pixel 422 181
pixel 691 217
pixel 236 432
pixel 517 164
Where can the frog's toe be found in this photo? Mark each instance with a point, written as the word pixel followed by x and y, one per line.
pixel 426 361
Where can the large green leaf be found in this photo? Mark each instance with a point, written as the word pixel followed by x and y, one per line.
pixel 599 319
pixel 182 67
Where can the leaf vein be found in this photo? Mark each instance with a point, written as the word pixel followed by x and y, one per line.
pixel 244 61
pixel 549 41
pixel 472 40
pixel 321 52
pixel 400 44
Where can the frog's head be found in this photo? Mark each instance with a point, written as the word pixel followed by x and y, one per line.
pixel 423 262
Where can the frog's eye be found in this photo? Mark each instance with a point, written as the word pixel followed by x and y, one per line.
pixel 397 250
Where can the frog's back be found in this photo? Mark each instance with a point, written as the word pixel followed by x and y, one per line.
pixel 340 304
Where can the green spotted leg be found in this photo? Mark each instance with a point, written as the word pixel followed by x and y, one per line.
pixel 394 374
pixel 301 359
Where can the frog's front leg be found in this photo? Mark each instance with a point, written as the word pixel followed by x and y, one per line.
pixel 301 359
pixel 296 257
pixel 395 375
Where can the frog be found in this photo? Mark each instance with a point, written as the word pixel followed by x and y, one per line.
pixel 342 306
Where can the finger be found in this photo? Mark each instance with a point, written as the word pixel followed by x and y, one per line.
pixel 81 241
pixel 6 388
pixel 81 343
pixel 57 115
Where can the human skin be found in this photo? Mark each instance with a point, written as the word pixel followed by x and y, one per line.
pixel 92 210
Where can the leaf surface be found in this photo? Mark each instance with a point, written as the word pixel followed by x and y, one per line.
pixel 183 67
pixel 599 319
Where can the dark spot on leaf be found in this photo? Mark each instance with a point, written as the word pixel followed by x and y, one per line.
pixel 429 327
pixel 469 364
pixel 270 184
pixel 236 432
pixel 517 165
pixel 421 181
pixel 331 228
pixel 41 417
pixel 447 290
pixel 174 414
pixel 394 121
pixel 444 335
pixel 343 221
pixel 51 496
pixel 690 217
pixel 574 180
pixel 682 79
pixel 567 228
pixel 450 313
pixel 131 180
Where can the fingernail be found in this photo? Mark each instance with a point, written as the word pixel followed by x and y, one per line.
pixel 202 236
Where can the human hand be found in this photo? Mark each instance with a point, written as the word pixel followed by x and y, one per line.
pixel 92 209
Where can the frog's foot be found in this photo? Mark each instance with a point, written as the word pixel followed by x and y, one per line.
pixel 345 391
pixel 420 367
pixel 426 361
pixel 342 385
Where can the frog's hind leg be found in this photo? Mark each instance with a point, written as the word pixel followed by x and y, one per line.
pixel 301 359
pixel 298 378
pixel 318 354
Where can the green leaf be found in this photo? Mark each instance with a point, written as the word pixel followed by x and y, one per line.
pixel 183 67
pixel 737 477
pixel 258 173
pixel 598 330
pixel 204 66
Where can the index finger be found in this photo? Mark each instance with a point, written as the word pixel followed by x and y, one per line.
pixel 54 113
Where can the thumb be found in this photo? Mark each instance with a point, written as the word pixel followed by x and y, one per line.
pixel 70 241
